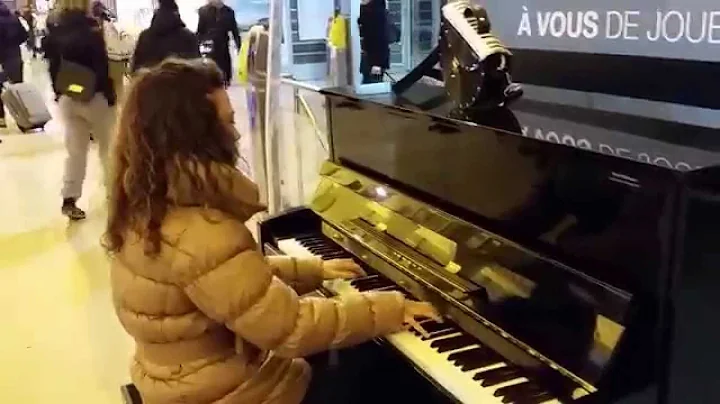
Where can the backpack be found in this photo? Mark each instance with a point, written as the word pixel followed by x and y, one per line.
pixel 392 31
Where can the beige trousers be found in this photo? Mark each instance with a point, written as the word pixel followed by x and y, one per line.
pixel 83 120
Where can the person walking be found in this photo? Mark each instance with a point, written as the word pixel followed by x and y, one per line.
pixel 12 35
pixel 166 37
pixel 215 24
pixel 119 45
pixel 77 50
pixel 27 15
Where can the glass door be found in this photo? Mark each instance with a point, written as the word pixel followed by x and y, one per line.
pixel 397 13
pixel 425 23
pixel 419 23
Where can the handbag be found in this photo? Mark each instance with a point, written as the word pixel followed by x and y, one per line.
pixel 76 81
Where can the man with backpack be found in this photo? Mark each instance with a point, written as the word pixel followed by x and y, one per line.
pixel 79 69
pixel 12 35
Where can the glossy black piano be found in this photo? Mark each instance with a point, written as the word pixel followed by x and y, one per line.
pixel 573 252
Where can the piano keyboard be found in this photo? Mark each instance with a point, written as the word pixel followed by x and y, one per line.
pixel 452 358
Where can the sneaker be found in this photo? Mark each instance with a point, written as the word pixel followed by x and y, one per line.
pixel 71 210
pixel 3 124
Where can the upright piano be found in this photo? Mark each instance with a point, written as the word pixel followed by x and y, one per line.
pixel 573 253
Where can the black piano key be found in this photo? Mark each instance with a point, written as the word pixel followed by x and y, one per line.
pixel 371 287
pixel 519 391
pixel 372 283
pixel 477 359
pixel 307 236
pixel 315 243
pixel 366 287
pixel 498 375
pixel 322 253
pixel 314 247
pixel 337 255
pixel 433 326
pixel 454 357
pixel 359 280
pixel 391 288
pixel 437 334
pixel 451 344
pixel 319 247
pixel 366 281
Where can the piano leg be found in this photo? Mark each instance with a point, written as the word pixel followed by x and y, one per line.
pixel 366 374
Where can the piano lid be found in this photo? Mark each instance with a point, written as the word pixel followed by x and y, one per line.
pixel 674 145
pixel 592 189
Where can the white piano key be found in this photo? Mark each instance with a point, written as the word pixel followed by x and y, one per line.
pixel 293 248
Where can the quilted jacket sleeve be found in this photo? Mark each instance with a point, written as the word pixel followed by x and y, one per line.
pixel 303 274
pixel 243 293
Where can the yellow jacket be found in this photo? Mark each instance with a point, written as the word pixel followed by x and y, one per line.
pixel 338 34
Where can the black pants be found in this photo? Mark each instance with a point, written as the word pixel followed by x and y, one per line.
pixel 13 72
pixel 366 71
pixel 221 56
pixel 367 374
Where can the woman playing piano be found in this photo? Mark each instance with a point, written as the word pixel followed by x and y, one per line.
pixel 213 320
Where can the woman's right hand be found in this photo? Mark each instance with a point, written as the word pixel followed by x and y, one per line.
pixel 416 311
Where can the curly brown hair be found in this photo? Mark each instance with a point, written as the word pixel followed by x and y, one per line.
pixel 168 127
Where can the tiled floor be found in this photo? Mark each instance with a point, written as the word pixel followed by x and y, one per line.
pixel 60 341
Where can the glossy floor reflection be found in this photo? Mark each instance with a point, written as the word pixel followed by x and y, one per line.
pixel 60 340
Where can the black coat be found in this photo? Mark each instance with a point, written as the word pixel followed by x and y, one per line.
pixel 79 38
pixel 373 35
pixel 12 35
pixel 166 37
pixel 215 23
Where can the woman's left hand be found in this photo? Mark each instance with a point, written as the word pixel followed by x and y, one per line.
pixel 342 269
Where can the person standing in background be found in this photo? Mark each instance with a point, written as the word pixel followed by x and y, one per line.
pixel 76 43
pixel 27 15
pixel 166 37
pixel 373 25
pixel 119 45
pixel 216 22
pixel 12 35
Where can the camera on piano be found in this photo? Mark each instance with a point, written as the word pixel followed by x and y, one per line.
pixel 476 66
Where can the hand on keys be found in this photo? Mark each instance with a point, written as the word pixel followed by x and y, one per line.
pixel 416 311
pixel 342 269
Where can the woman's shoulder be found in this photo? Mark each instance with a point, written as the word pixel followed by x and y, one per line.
pixel 203 238
pixel 195 240
pixel 203 225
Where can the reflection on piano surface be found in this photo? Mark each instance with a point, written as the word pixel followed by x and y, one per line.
pixel 555 267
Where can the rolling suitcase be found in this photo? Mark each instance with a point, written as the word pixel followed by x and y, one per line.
pixel 26 105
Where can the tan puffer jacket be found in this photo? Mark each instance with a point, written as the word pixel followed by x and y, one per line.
pixel 216 322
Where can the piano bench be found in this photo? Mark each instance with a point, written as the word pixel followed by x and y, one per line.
pixel 130 394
